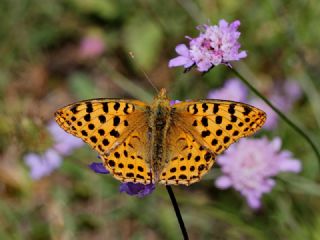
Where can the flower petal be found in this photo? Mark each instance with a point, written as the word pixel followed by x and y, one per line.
pixel 182 50
pixel 137 189
pixel 98 167
pixel 290 166
pixel 253 202
pixel 180 61
pixel 217 44
pixel 223 182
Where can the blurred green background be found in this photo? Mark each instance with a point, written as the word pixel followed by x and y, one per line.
pixel 45 64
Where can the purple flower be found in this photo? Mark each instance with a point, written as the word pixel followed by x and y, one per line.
pixel 293 90
pixel 272 117
pixel 98 168
pixel 91 46
pixel 64 143
pixel 282 97
pixel 42 165
pixel 137 189
pixel 233 90
pixel 172 102
pixel 134 189
pixel 286 95
pixel 184 59
pixel 215 45
pixel 249 165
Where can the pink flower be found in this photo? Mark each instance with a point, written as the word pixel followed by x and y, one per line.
pixel 91 46
pixel 249 165
pixel 233 89
pixel 215 45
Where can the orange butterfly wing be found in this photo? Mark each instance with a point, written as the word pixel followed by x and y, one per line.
pixel 116 129
pixel 201 130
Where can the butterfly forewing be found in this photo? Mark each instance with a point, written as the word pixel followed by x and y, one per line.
pixel 110 126
pixel 216 124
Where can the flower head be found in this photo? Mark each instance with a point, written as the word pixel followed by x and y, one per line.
pixel 134 189
pixel 249 165
pixel 137 189
pixel 215 45
pixel 233 90
pixel 91 46
pixel 42 165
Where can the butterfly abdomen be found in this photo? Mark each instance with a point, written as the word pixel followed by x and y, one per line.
pixel 159 122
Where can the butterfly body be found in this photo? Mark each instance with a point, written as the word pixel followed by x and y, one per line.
pixel 160 120
pixel 159 143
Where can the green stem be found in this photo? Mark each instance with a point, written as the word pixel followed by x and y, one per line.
pixel 284 117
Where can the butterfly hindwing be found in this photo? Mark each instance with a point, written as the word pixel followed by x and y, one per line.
pixel 128 162
pixel 188 159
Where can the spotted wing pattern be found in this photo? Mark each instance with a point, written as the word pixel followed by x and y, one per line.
pixel 205 129
pixel 116 129
pixel 128 162
pixel 188 159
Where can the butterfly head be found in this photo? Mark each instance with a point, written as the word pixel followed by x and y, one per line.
pixel 162 94
pixel 161 99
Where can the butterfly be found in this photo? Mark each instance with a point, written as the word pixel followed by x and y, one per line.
pixel 159 142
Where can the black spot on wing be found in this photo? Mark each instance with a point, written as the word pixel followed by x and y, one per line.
pixel 204 121
pixel 247 110
pixel 218 119
pixel 116 121
pixel 105 107
pixel 89 108
pixel 195 109
pixel 231 108
pixel 126 108
pixel 102 119
pixel 87 117
pixel 74 109
pixel 114 133
pixel 116 106
pixel 204 107
pixel 216 107
pixel 205 133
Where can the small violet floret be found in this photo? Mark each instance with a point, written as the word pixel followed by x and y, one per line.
pixel 133 189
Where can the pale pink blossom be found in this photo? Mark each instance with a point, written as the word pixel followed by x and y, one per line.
pixel 250 165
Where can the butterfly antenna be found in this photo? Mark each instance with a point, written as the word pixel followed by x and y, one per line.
pixel 145 74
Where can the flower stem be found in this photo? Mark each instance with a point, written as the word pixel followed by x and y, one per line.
pixel 177 211
pixel 284 117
